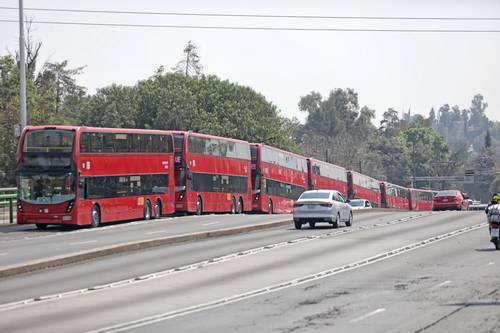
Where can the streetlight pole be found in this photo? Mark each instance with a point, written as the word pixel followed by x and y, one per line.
pixel 22 67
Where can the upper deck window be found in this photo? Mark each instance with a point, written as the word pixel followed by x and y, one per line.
pixel 48 141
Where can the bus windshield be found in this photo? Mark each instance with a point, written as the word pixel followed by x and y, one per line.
pixel 48 141
pixel 46 187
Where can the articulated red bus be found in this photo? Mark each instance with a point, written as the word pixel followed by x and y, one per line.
pixel 421 199
pixel 278 178
pixel 363 187
pixel 326 176
pixel 88 176
pixel 394 196
pixel 212 174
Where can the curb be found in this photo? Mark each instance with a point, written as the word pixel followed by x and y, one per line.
pixel 146 244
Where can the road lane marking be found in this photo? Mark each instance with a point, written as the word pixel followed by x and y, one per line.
pixel 491 263
pixel 284 285
pixel 3 254
pixel 155 232
pixel 85 242
pixel 211 223
pixel 442 284
pixel 368 315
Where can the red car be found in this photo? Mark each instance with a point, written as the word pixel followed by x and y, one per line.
pixel 450 200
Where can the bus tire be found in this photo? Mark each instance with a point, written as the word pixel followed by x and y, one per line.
pixel 199 206
pixel 147 210
pixel 270 207
pixel 240 206
pixel 95 217
pixel 41 226
pixel 157 209
pixel 233 206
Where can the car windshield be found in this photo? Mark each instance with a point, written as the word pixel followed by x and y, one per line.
pixel 357 203
pixel 315 195
pixel 447 194
pixel 47 187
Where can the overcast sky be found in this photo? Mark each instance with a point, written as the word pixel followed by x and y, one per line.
pixel 414 71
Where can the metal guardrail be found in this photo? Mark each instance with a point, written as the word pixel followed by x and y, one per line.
pixel 8 197
pixel 478 207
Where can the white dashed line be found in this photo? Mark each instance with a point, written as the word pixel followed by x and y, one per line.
pixel 81 243
pixel 3 254
pixel 368 315
pixel 491 263
pixel 211 223
pixel 442 284
pixel 155 232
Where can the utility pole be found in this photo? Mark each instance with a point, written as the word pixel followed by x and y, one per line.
pixel 22 68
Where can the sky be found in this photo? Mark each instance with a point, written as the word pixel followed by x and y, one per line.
pixel 405 71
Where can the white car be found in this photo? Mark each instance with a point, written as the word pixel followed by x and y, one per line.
pixel 321 206
pixel 359 204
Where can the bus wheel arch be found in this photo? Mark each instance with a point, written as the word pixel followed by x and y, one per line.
pixel 147 210
pixel 199 205
pixel 95 217
pixel 158 208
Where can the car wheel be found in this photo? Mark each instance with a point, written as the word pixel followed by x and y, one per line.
pixel 335 223
pixel 199 206
pixel 312 224
pixel 41 226
pixel 298 225
pixel 95 217
pixel 349 222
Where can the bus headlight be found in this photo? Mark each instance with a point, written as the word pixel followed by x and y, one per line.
pixel 19 207
pixel 70 206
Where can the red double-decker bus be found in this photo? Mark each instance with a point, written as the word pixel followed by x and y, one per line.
pixel 88 176
pixel 363 187
pixel 421 199
pixel 326 176
pixel 278 178
pixel 394 196
pixel 212 174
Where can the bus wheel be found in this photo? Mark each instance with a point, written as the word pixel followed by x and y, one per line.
pixel 157 209
pixel 41 226
pixel 96 217
pixel 233 206
pixel 147 210
pixel 240 206
pixel 199 206
pixel 269 207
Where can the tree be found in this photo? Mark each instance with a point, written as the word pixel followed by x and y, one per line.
pixel 487 139
pixel 190 64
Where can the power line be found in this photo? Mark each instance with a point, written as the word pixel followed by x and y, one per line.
pixel 415 18
pixel 256 28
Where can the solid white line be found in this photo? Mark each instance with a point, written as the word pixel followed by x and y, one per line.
pixel 86 242
pixel 443 284
pixel 368 315
pixel 155 232
pixel 211 223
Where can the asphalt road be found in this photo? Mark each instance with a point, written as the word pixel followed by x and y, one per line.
pixel 435 273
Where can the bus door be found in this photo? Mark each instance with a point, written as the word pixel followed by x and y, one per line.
pixel 179 166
